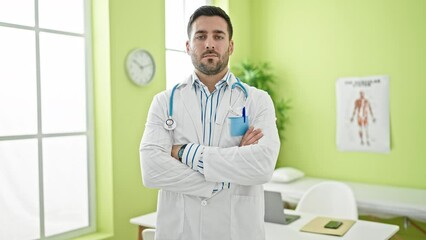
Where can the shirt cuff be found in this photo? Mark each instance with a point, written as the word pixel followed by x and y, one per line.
pixel 193 157
pixel 220 186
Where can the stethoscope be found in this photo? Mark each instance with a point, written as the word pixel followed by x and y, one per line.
pixel 170 123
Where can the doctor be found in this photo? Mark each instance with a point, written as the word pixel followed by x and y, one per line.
pixel 199 150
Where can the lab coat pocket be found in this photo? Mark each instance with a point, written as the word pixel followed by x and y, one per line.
pixel 238 125
pixel 170 215
pixel 247 218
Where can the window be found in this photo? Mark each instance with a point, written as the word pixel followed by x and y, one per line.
pixel 46 138
pixel 178 63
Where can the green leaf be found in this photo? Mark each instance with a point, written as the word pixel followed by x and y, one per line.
pixel 261 77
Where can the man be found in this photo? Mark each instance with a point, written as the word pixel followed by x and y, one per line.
pixel 210 180
pixel 361 108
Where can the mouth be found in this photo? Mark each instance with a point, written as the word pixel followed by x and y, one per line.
pixel 209 55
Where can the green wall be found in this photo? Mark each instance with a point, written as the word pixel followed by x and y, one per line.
pixel 121 109
pixel 312 43
pixel 133 23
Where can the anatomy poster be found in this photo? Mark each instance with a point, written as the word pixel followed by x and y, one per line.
pixel 363 114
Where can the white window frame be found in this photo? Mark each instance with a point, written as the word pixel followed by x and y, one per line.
pixel 89 133
pixel 171 80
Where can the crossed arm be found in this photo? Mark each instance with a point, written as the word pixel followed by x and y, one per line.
pixel 252 136
pixel 252 162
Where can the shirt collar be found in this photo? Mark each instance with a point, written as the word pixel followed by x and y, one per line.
pixel 226 78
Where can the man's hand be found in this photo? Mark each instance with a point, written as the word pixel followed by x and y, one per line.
pixel 175 150
pixel 252 136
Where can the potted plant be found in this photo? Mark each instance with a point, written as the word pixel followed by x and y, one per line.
pixel 260 76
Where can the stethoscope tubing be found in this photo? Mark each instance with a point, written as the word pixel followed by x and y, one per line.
pixel 170 123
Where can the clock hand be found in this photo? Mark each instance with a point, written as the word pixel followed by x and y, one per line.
pixel 137 63
pixel 140 65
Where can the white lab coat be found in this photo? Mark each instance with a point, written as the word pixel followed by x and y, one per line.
pixel 187 208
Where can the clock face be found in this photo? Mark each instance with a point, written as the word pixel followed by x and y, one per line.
pixel 140 67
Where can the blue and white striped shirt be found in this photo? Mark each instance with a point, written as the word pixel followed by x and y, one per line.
pixel 209 103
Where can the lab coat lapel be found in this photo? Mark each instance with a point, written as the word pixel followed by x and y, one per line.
pixel 223 111
pixel 221 116
pixel 192 108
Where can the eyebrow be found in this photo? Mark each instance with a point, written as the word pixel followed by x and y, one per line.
pixel 214 31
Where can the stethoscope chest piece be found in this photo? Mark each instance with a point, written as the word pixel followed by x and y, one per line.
pixel 170 124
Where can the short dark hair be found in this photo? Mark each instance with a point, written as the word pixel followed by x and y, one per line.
pixel 209 11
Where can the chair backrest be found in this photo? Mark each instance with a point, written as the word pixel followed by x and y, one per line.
pixel 148 234
pixel 331 199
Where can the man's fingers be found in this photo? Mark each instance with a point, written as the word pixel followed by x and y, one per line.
pixel 249 130
pixel 243 139
pixel 258 135
pixel 252 136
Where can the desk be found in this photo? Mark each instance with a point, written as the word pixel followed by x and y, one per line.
pixel 372 199
pixel 364 230
pixel 145 221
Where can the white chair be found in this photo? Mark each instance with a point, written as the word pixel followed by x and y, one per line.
pixel 148 234
pixel 330 199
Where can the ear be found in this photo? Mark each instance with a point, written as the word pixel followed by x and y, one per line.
pixel 188 47
pixel 231 47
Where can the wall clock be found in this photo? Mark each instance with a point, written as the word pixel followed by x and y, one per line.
pixel 140 66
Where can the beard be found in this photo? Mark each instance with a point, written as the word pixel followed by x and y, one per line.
pixel 211 68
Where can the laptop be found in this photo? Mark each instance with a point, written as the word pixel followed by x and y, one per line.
pixel 274 209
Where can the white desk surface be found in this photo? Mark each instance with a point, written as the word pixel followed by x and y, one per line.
pixel 364 230
pixel 372 199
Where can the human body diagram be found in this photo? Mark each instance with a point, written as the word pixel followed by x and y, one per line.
pixel 362 110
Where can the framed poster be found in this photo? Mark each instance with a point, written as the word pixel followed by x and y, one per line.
pixel 363 114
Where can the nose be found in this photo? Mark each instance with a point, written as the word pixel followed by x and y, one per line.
pixel 209 44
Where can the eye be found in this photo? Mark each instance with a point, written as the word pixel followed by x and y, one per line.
pixel 219 37
pixel 200 37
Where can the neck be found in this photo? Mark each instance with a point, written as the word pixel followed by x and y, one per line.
pixel 211 80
